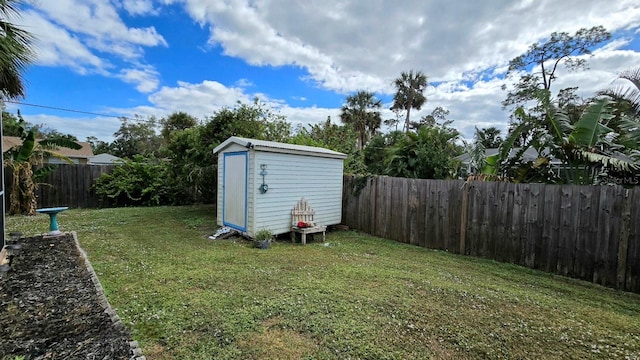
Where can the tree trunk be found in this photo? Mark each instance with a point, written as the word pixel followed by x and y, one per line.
pixel 29 201
pixel 406 122
pixel 14 197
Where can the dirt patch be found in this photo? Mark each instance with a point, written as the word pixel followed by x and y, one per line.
pixel 277 343
pixel 50 307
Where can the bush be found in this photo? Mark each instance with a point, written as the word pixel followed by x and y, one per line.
pixel 141 181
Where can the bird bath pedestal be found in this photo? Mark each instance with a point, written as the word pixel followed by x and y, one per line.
pixel 53 220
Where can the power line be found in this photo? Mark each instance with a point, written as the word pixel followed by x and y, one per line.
pixel 76 111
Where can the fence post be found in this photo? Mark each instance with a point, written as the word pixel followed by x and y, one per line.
pixel 463 218
pixel 623 243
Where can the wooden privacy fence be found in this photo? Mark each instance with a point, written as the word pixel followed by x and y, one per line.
pixel 68 185
pixel 587 232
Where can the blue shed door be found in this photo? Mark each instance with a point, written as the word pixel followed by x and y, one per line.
pixel 234 200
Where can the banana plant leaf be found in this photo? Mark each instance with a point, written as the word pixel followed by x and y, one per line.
pixel 591 129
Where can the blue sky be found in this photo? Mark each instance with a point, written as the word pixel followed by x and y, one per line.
pixel 154 57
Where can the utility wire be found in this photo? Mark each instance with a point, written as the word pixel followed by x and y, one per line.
pixel 76 111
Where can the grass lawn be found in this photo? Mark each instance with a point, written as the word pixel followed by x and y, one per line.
pixel 354 297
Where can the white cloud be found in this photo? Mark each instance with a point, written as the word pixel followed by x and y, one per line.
pixel 145 79
pixel 99 19
pixel 343 46
pixel 73 33
pixel 197 99
pixel 354 45
pixel 205 98
pixel 100 127
pixel 57 47
pixel 244 83
pixel 139 7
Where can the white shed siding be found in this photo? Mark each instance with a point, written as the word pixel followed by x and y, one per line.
pixel 291 177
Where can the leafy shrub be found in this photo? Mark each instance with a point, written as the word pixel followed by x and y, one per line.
pixel 140 181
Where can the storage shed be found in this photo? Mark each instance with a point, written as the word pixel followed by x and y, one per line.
pixel 259 183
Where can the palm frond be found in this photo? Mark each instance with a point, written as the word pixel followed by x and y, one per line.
pixel 618 163
pixel 52 144
pixel 630 137
pixel 632 75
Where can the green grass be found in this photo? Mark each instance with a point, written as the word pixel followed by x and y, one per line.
pixel 187 297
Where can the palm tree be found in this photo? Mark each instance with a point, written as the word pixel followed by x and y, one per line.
pixel 488 137
pixel 361 112
pixel 15 51
pixel 410 93
pixel 627 106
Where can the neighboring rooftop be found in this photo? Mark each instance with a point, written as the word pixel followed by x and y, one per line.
pixel 529 155
pixel 83 153
pixel 104 159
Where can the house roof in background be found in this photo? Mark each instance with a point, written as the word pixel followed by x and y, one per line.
pixel 529 155
pixel 83 153
pixel 273 146
pixel 104 159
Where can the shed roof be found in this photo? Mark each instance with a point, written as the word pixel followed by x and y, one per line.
pixel 278 147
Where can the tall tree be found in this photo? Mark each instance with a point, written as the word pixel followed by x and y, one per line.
pixel 410 87
pixel 193 165
pixel 336 137
pixel 545 58
pixel 438 115
pixel 176 122
pixel 99 146
pixel 15 51
pixel 13 125
pixel 362 112
pixel 136 137
pixel 488 137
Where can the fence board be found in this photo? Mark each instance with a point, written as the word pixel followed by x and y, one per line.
pixel 464 215
pixel 605 260
pixel 632 279
pixel 583 269
pixel 473 228
pixel 531 232
pixel 564 263
pixel 412 211
pixel 452 215
pixel 388 182
pixel 421 214
pixel 515 201
pixel 551 227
